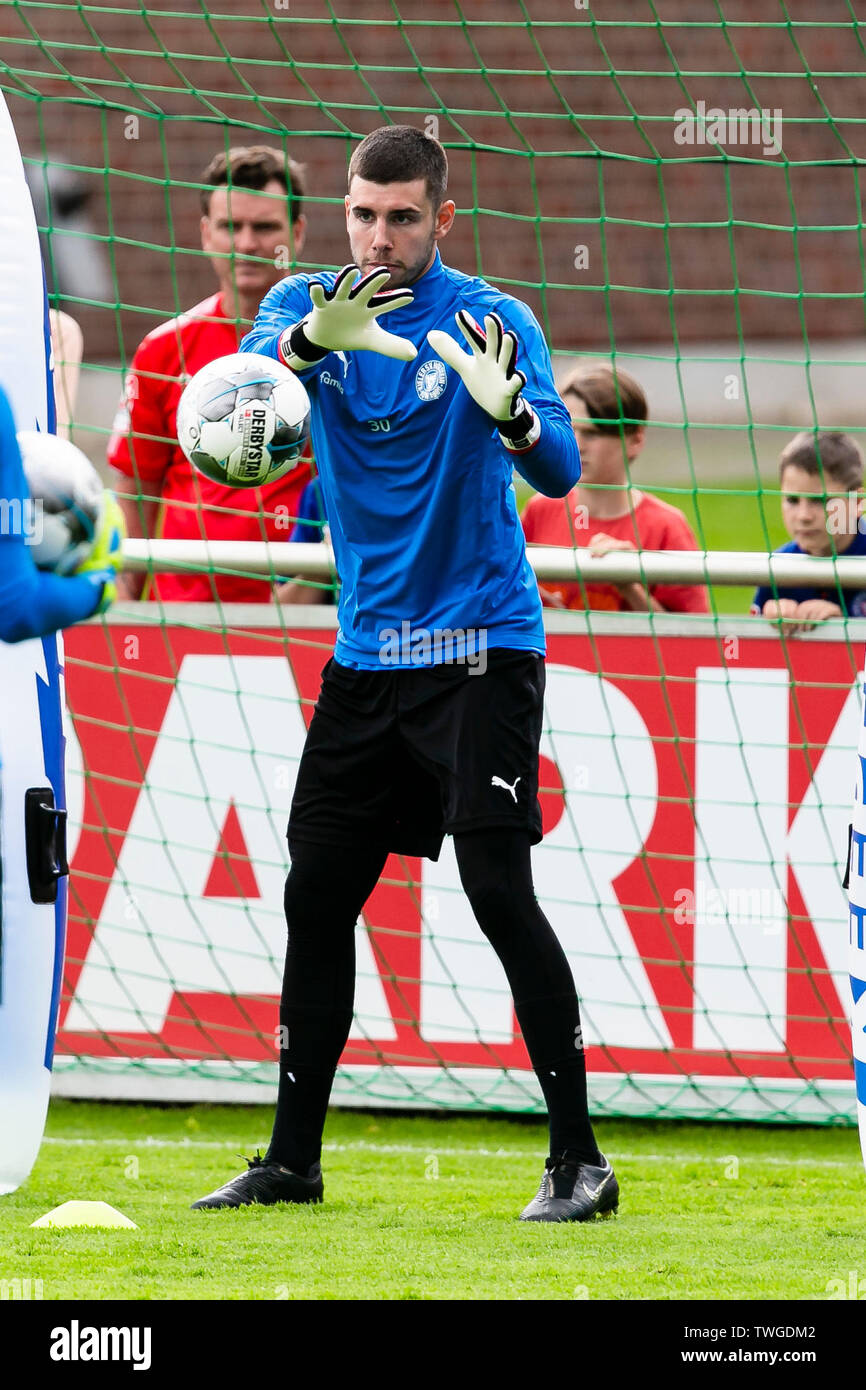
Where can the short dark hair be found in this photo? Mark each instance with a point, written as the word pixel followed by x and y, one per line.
pixel 615 402
pixel 398 154
pixel 254 167
pixel 833 454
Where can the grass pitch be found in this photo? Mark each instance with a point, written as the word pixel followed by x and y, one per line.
pixel 421 1207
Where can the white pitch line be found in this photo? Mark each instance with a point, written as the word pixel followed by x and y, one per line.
pixel 425 1150
pixel 150 1142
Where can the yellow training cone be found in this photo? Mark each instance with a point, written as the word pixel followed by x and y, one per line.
pixel 85 1214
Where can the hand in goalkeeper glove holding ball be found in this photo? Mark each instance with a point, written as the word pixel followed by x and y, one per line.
pixel 81 529
pixel 105 560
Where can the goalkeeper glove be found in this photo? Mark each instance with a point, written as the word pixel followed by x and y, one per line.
pixel 343 319
pixel 106 557
pixel 489 375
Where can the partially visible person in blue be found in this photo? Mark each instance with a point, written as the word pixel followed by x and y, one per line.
pixel 430 712
pixel 311 525
pixel 821 480
pixel 311 528
pixel 34 603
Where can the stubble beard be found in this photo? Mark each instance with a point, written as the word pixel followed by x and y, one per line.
pixel 407 275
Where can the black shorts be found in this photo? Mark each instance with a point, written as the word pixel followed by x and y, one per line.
pixel 397 759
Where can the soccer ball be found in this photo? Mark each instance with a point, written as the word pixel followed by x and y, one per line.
pixel 243 420
pixel 68 495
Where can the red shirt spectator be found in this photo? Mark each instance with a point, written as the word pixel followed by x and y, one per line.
pixel 144 447
pixel 652 525
pixel 252 227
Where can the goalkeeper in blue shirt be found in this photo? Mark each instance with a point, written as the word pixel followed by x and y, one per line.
pixel 430 712
pixel 34 603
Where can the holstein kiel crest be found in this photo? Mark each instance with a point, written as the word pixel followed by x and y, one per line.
pixel 431 379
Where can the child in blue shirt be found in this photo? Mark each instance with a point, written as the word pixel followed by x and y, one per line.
pixel 821 477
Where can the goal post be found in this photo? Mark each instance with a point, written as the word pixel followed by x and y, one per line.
pixel 313 561
pixel 675 193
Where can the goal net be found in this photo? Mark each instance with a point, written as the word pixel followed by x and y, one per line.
pixel 674 188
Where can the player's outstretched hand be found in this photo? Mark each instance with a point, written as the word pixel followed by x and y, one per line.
pixel 344 318
pixel 488 371
pixel 106 558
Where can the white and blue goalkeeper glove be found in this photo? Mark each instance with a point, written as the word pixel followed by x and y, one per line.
pixel 490 376
pixel 105 560
pixel 344 319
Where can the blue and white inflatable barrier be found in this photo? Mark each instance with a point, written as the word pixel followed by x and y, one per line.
pixel 32 886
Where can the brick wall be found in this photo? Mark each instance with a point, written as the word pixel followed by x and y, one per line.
pixel 552 123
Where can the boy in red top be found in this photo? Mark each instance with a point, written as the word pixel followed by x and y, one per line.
pixel 252 227
pixel 604 512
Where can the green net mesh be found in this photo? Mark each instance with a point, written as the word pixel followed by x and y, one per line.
pixel 673 187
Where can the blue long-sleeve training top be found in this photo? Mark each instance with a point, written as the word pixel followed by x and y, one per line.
pixel 32 603
pixel 416 481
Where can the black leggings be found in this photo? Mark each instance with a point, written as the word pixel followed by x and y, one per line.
pixel 325 893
